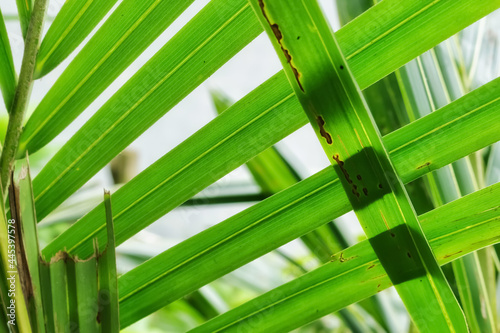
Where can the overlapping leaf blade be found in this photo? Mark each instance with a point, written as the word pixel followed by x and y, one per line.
pixel 249 127
pixel 69 177
pixel 128 31
pixel 79 88
pixel 224 144
pixel 200 48
pixel 329 95
pixel 415 18
pixel 341 282
pixel 272 173
pixel 244 237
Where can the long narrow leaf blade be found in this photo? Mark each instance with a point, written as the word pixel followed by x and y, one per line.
pixel 129 30
pixel 339 283
pixel 73 23
pixel 415 20
pixel 108 279
pixel 31 246
pixel 253 124
pixel 431 155
pixel 24 9
pixel 329 95
pixel 196 52
pixel 8 76
pixel 101 61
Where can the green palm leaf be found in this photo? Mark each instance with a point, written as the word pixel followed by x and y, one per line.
pixel 217 251
pixel 52 295
pixel 128 31
pixel 153 91
pixel 73 23
pixel 328 93
pixel 8 76
pixel 24 8
pixel 360 275
pixel 61 177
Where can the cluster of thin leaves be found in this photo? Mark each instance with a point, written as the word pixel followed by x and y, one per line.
pixel 425 102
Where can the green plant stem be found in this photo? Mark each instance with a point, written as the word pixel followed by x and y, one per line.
pixel 23 91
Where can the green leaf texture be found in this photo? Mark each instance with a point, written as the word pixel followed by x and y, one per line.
pixel 65 168
pixel 122 38
pixel 73 23
pixel 198 50
pixel 8 76
pixel 360 275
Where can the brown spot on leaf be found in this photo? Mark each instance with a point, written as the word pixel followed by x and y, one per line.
pixel 322 131
pixel 340 163
pixel 451 254
pixel 341 258
pixel 279 36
